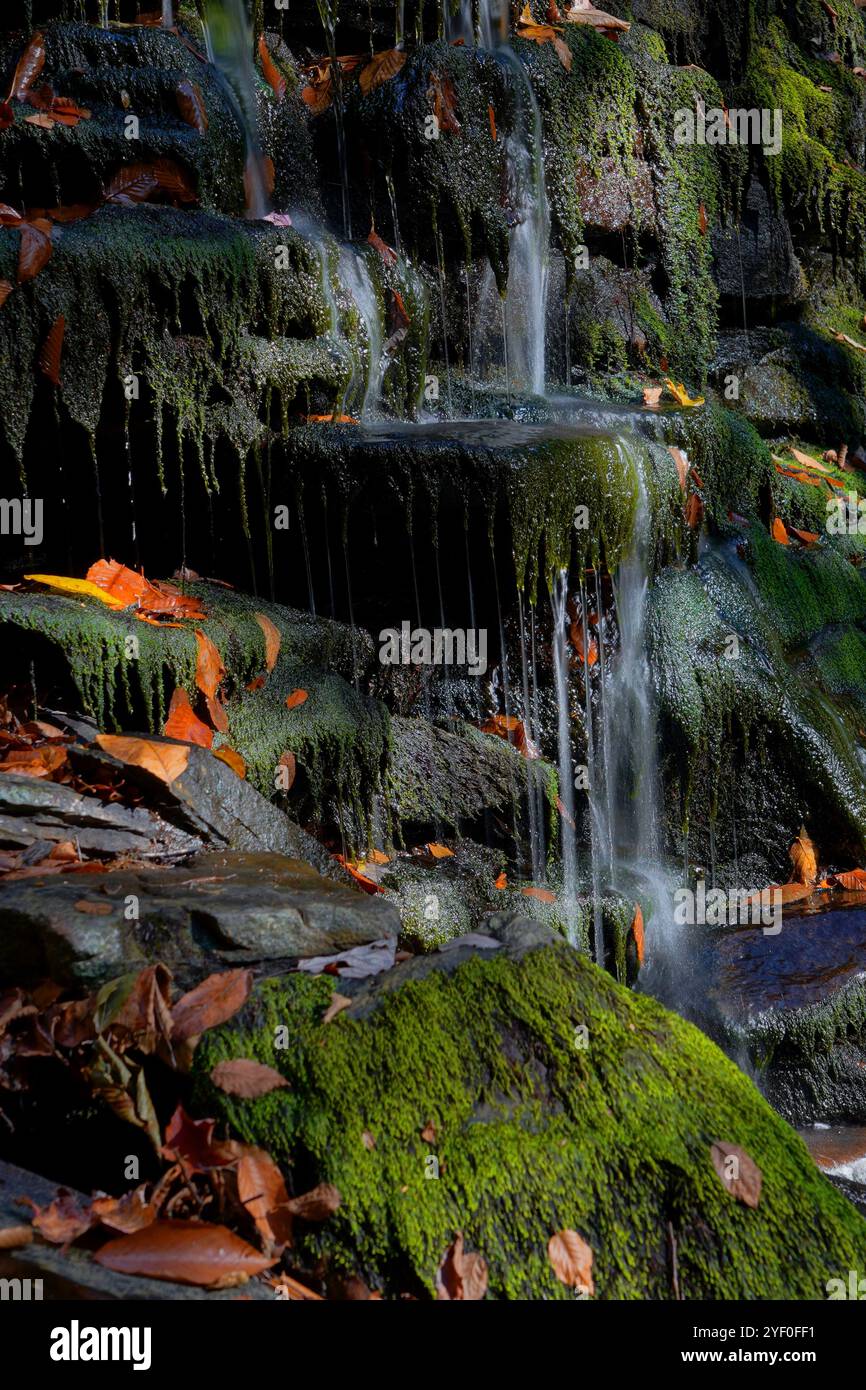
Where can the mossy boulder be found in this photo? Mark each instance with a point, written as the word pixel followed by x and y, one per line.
pixel 558 1100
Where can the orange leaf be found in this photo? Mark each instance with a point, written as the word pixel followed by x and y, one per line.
pixel 368 884
pixel 501 881
pixel 30 64
pixel 167 761
pixel 637 932
pixel 34 762
pixel 702 220
pixel 439 851
pixel 209 670
pixel 186 1252
pixel 273 76
pixel 779 531
pixel 232 760
pixel 682 464
pixel 289 762
pixel 381 68
pixel 807 537
pixel 297 697
pixel 804 859
pixel 272 640
pixel 652 396
pixel 388 254
pixel 542 894
pixel 262 1191
pixel 491 116
pixel 854 881
pixel 182 722
pixel 571 1260
pixel 694 512
pixel 565 813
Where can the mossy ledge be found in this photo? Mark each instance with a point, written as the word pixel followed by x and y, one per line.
pixel 534 1133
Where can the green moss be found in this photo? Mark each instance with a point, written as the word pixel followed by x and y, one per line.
pixel 534 1134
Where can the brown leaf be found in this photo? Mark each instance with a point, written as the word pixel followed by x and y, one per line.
pixel 542 894
pixel 34 762
pixel 444 97
pixel 5 291
pixel 49 357
pixel 429 1134
pixel 246 1078
pixel 30 64
pixel 212 1002
pixel 184 724
pixel 209 670
pixel 191 1143
pixel 571 1260
pixel 439 851
pixel 584 12
pixel 262 1191
pixel 190 104
pixel 232 759
pixel 381 68
pixel 652 396
pixel 167 761
pixel 289 762
pixel 336 1006
pixel 694 512
pixel 62 1220
pixel 139 182
pixel 95 909
pixel 681 462
pixel 703 223
pixel 543 33
pixel 318 1204
pixel 461 1275
pixel 637 931
pixel 297 697
pixel 368 1140
pixel 272 640
pixel 491 116
pixel 854 881
pixel 186 1252
pixel 7 115
pixel 131 1212
pixel 35 249
pixel 738 1172
pixel 272 74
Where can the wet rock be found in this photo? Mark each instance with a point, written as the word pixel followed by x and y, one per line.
pixel 611 200
pixel 34 810
pixel 509 1074
pixel 218 911
pixel 757 257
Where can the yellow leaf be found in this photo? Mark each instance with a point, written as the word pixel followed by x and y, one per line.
pixel 803 857
pixel 231 759
pixel 81 587
pixel 680 394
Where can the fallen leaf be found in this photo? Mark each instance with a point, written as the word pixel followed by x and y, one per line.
pixel 246 1078
pixel 565 813
pixel 262 1192
pixel 854 881
pixel 186 1252
pixel 35 249
pixel 272 640
pixel 139 182
pixel 381 68
pixel 512 729
pixel 5 291
pixel 191 1144
pixel 49 357
pixel 289 762
pixel 210 1003
pixel 209 669
pixel 682 464
pixel 444 96
pixel 231 759
pixel 787 893
pixel 79 587
pixel 34 762
pixel 429 1134
pixel 542 894
pixel 738 1172
pixel 807 537
pixel 336 1006
pixel 30 64
pixel 388 254
pixel 804 859
pixel 131 587
pixel 652 396
pixel 501 881
pixel 583 12
pixel 190 104
pixel 694 512
pixel 843 338
pixel 167 761
pixel 807 461
pixel 779 531
pixel 681 395
pixel 461 1276
pixel 95 909
pixel 272 74
pixel 368 1140
pixel 491 116
pixel 637 932
pixel 317 1204
pixel 297 697
pixel 62 1220
pixel 439 851
pixel 184 724
pixel 571 1260
pixel 543 33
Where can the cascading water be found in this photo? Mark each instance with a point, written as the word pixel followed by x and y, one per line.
pixel 565 760
pixel 229 43
pixel 167 14
pixel 355 276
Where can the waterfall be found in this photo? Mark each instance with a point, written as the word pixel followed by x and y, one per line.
pixel 229 41
pixel 355 276
pixel 565 761
pixel 524 311
pixel 167 14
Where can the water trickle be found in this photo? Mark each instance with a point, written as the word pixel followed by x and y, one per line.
pixel 565 760
pixel 168 14
pixel 328 15
pixel 356 278
pixel 535 801
pixel 229 43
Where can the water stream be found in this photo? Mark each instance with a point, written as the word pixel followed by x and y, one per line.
pixel 229 43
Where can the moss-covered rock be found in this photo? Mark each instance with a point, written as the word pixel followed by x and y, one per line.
pixel 558 1100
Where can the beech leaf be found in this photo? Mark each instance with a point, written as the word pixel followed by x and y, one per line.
pixel 186 1252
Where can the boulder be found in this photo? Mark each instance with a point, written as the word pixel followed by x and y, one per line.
pixel 756 257
pixel 220 910
pixel 508 1089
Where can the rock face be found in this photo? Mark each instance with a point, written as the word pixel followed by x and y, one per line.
pixel 220 910
pixel 757 258
pixel 549 1098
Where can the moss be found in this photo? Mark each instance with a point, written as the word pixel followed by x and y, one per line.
pixel 534 1134
pixel 731 458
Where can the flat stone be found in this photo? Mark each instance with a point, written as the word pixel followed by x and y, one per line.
pixel 220 910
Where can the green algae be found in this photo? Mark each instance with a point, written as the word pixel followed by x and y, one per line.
pixel 535 1133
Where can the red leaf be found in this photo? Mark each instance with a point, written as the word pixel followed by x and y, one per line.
pixel 49 357
pixel 190 103
pixel 187 1252
pixel 388 254
pixel 30 64
pixel 35 250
